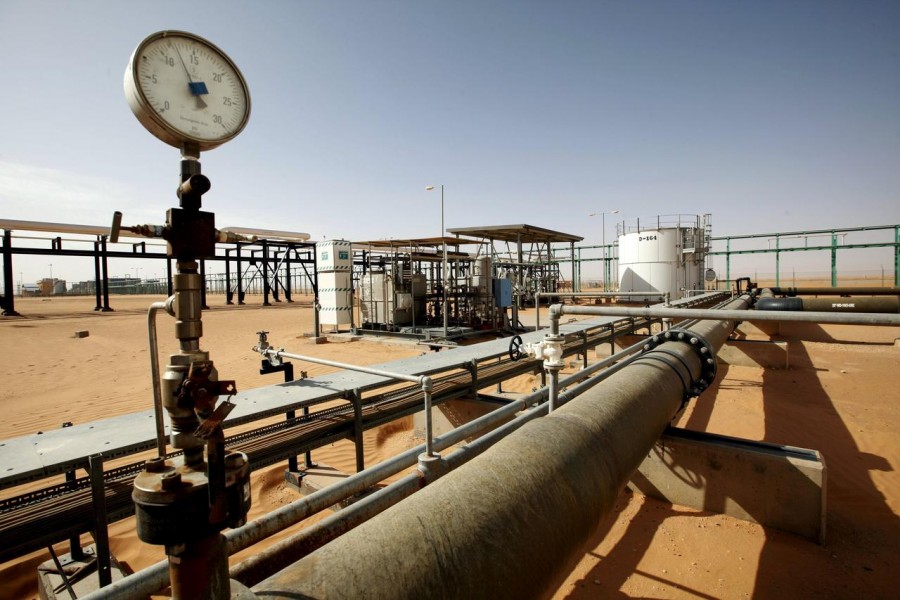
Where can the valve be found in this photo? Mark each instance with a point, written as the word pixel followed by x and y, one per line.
pixel 262 348
pixel 548 349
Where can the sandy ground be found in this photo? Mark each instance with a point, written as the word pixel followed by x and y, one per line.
pixel 839 396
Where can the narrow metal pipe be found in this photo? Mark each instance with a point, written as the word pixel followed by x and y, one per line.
pixel 730 315
pixel 154 372
pixel 554 388
pixel 539 295
pixel 429 450
pixel 331 363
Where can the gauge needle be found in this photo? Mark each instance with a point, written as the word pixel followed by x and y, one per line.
pixel 197 88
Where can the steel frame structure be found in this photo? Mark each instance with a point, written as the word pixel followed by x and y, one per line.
pixel 272 259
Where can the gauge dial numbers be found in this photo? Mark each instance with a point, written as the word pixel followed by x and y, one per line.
pixel 184 89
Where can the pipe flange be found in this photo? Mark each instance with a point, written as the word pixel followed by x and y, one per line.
pixel 704 351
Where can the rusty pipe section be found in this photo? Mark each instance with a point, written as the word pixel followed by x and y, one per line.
pixel 512 522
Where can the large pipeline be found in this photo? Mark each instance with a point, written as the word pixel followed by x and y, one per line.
pixel 513 521
pixel 885 303
pixel 836 291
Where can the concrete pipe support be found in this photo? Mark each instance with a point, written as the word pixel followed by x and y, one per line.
pixel 513 521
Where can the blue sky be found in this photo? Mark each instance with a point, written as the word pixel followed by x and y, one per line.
pixel 772 116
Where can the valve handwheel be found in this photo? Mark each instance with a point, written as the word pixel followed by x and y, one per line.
pixel 515 348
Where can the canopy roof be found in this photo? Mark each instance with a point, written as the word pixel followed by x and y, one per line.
pixel 529 234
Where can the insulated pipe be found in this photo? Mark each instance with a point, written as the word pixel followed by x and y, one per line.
pixel 882 304
pixel 513 521
pixel 837 291
pixel 726 314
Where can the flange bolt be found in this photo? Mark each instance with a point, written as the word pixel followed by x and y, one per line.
pixel 170 481
pixel 155 465
pixel 234 460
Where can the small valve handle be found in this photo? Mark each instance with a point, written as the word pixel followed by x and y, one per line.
pixel 116 227
pixel 150 231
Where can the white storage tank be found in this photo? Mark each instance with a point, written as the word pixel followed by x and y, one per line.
pixel 665 254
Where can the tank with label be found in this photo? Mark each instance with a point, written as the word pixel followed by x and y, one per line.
pixel 665 254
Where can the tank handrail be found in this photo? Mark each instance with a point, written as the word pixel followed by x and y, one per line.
pixel 657 222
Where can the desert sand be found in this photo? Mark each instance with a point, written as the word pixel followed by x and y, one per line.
pixel 839 396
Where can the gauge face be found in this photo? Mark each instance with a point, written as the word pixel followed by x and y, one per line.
pixel 183 89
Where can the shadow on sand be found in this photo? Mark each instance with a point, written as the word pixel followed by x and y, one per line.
pixel 862 534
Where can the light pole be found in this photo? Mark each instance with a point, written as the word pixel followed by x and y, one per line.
pixel 603 238
pixel 444 262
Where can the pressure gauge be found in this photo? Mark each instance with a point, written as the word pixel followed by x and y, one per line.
pixel 185 90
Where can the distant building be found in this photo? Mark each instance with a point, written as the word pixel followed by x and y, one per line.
pixel 29 290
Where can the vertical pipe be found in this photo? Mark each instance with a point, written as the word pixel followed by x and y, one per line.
pixel 429 425
pixel 292 459
pixel 265 262
pixel 287 270
pixel 554 389
pixel 203 284
pixel 897 256
pixel 777 260
pixel 444 269
pixel 575 285
pixel 521 270
pixel 276 276
pixel 106 307
pixel 309 460
pixel 240 275
pixel 169 287
pixel 75 550
pixel 229 295
pixel 603 243
pixel 728 260
pixel 154 374
pixel 579 269
pixel 97 279
pixel 9 302
pixel 358 430
pixel 101 535
pixel 833 259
